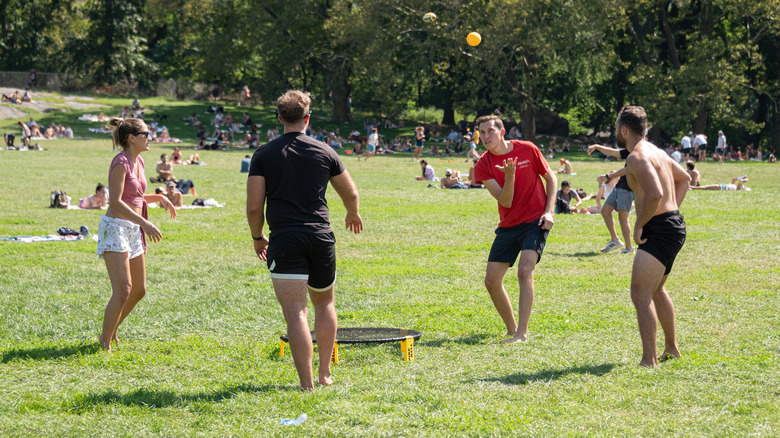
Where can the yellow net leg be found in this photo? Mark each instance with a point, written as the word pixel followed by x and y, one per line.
pixel 281 350
pixel 335 357
pixel 407 348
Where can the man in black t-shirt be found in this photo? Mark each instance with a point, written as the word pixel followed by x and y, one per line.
pixel 620 199
pixel 290 174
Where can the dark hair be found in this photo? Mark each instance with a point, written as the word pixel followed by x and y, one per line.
pixel 565 183
pixel 122 130
pixel 495 119
pixel 293 105
pixel 634 118
pixel 99 187
pixel 690 165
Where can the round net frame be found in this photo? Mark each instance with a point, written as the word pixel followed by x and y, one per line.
pixel 367 335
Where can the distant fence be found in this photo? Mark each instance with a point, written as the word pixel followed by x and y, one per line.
pixel 19 79
pixel 68 82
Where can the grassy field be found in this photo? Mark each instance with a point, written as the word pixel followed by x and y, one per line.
pixel 200 353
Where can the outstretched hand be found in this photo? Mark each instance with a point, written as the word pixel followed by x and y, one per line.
pixel 592 148
pixel 168 205
pixel 509 166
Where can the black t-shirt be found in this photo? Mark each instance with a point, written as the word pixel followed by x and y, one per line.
pixel 297 169
pixel 623 182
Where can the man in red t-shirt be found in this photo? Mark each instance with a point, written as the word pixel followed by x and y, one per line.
pixel 512 171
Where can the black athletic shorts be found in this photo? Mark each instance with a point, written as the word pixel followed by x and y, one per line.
pixel 510 241
pixel 294 255
pixel 665 234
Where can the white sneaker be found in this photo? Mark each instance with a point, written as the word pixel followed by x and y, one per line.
pixel 627 251
pixel 612 245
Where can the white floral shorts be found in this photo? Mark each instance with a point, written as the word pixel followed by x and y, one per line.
pixel 119 235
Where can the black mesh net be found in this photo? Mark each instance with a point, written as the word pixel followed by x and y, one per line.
pixel 367 335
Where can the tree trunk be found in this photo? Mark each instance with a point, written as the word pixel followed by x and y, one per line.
pixel 340 99
pixel 449 111
pixel 673 57
pixel 638 34
pixel 701 122
pixel 528 116
pixel 775 142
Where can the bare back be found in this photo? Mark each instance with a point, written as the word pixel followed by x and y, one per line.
pixel 650 172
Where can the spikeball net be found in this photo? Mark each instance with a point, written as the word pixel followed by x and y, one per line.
pixel 368 335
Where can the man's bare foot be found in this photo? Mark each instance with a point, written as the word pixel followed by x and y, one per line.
pixel 514 339
pixel 668 356
pixel 648 364
pixel 326 380
pixel 509 334
pixel 103 344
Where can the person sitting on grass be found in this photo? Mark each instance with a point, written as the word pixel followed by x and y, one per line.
pixel 176 156
pixel 97 201
pixel 164 170
pixel 737 183
pixel 603 192
pixel 567 167
pixel 428 174
pixel 693 173
pixel 564 197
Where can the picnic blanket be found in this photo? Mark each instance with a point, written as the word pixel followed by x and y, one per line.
pixel 211 202
pixel 49 238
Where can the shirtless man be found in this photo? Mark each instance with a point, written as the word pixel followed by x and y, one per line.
pixel 660 186
pixel 164 170
pixel 693 173
pixel 452 180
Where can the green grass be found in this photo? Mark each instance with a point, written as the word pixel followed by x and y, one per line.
pixel 200 352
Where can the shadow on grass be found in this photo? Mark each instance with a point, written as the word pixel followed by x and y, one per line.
pixel 475 339
pixel 548 375
pixel 50 352
pixel 162 399
pixel 576 254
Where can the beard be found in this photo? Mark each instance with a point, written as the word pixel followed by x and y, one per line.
pixel 621 141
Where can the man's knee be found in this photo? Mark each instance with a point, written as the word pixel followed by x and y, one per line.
pixel 493 282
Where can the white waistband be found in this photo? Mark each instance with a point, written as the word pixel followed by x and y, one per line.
pixel 116 220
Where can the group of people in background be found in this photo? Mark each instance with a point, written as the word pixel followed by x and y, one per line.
pixel 695 148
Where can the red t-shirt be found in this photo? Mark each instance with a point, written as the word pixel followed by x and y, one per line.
pixel 530 196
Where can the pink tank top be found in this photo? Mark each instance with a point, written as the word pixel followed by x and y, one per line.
pixel 135 185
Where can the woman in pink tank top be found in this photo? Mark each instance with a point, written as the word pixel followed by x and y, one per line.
pixel 124 227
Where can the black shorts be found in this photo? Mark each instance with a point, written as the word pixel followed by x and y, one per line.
pixel 510 241
pixel 702 147
pixel 303 256
pixel 665 234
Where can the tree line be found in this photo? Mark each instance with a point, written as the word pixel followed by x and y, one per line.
pixel 695 65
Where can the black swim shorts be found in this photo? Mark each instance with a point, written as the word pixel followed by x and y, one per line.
pixel 510 241
pixel 665 234
pixel 303 256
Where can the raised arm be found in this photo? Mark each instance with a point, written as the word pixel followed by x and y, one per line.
pixel 611 152
pixel 255 215
pixel 609 176
pixel 504 195
pixel 347 190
